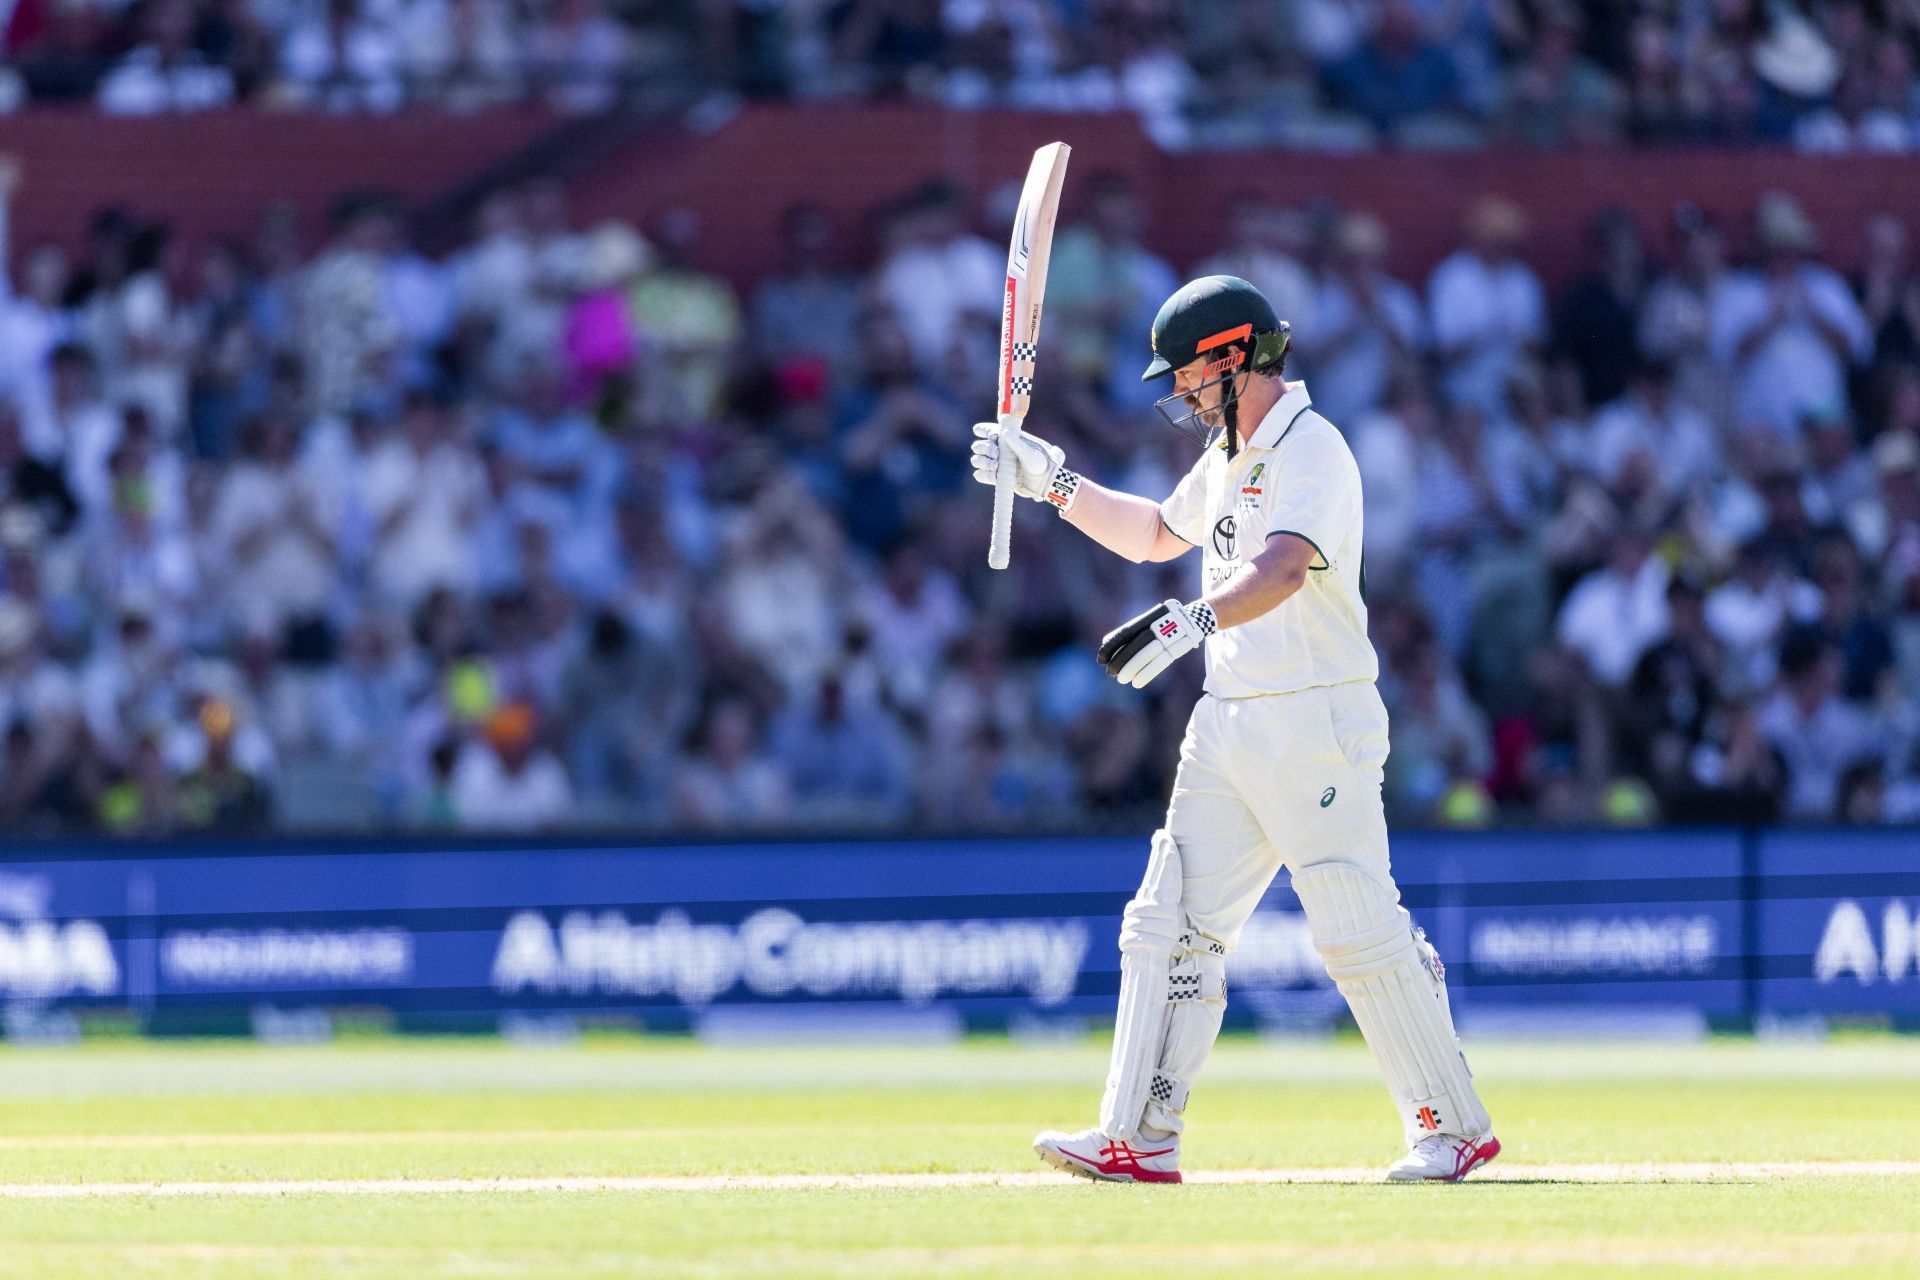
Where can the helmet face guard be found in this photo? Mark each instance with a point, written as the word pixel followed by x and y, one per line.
pixel 1238 349
pixel 1221 372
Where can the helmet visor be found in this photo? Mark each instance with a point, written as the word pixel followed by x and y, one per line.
pixel 1191 420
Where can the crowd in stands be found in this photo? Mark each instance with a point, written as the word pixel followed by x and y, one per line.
pixel 559 529
pixel 1825 75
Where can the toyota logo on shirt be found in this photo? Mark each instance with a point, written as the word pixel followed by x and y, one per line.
pixel 1223 539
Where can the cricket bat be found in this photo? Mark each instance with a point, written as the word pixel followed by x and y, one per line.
pixel 1020 322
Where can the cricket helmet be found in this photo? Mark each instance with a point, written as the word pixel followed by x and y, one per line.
pixel 1227 320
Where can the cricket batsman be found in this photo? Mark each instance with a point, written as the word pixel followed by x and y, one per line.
pixel 1281 763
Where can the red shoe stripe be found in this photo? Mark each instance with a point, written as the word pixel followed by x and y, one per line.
pixel 1471 1156
pixel 1126 1164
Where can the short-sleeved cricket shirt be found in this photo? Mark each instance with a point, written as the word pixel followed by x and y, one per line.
pixel 1296 475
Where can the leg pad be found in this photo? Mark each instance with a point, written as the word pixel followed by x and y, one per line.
pixel 1392 980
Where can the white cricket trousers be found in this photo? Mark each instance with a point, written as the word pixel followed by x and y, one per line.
pixel 1287 779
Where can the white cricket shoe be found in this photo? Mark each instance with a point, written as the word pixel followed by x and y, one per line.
pixel 1444 1157
pixel 1092 1154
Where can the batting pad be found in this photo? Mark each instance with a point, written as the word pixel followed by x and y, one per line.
pixel 1196 1002
pixel 1397 996
pixel 1150 932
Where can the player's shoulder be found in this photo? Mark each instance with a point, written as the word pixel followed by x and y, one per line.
pixel 1311 433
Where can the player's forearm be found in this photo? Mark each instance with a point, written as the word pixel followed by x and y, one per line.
pixel 1274 575
pixel 1124 524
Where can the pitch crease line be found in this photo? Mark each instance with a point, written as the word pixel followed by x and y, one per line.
pixel 1754 1171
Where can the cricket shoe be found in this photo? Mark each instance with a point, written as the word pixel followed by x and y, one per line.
pixel 1092 1154
pixel 1444 1157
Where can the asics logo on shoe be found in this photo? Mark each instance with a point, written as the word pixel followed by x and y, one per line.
pixel 1121 1158
pixel 1326 797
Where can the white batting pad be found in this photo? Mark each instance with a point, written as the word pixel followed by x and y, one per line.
pixel 1149 940
pixel 1394 987
pixel 1196 1002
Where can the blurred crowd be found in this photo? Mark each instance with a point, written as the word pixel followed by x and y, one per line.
pixel 1826 75
pixel 560 529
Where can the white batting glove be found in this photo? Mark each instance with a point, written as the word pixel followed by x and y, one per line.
pixel 1141 648
pixel 1037 470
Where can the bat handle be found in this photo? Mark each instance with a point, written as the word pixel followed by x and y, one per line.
pixel 1001 547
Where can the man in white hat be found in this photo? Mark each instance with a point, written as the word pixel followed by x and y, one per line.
pixel 1789 328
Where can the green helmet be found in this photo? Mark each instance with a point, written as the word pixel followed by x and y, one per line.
pixel 1211 312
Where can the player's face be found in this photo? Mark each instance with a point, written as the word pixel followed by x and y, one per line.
pixel 1190 381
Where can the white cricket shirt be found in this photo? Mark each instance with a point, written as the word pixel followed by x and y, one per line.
pixel 1295 475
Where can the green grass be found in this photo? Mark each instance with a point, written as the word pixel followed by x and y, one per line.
pixel 132 1112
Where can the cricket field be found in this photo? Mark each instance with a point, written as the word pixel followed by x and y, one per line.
pixel 627 1156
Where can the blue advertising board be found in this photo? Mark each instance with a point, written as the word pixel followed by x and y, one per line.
pixel 1837 923
pixel 993 929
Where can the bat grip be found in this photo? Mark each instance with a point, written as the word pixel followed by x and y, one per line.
pixel 1000 549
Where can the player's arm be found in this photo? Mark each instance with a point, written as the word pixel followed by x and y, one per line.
pixel 1124 524
pixel 1275 574
pixel 1141 648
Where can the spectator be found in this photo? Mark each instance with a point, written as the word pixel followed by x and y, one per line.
pixel 423 491
pixel 844 757
pixel 1651 427
pixel 218 793
pixel 689 320
pixel 1397 77
pixel 1440 736
pixel 1365 323
pixel 85 429
pixel 1818 733
pixel 1790 329
pixel 277 527
pixel 1751 610
pixel 1104 284
pixel 462 54
pixel 629 696
pixel 341 60
pixel 578 55
pixel 810 307
pixel 1466 509
pixel 165 73
pixel 1676 320
pixel 343 308
pixel 1387 446
pixel 1556 97
pixel 1617 613
pixel 935 271
pixel 1889 291
pixel 1595 327
pixel 1848 623
pixel 1487 306
pixel 505 781
pixel 733 784
pixel 601 341
pixel 913 613
pixel 901 440
pixel 1673 692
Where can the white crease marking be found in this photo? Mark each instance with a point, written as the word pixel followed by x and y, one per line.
pixel 1742 1171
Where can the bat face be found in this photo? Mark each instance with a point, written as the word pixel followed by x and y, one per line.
pixel 1027 254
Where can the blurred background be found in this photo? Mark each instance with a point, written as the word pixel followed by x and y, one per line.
pixel 506 416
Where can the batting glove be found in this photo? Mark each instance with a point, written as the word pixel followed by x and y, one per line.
pixel 1037 470
pixel 1141 648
